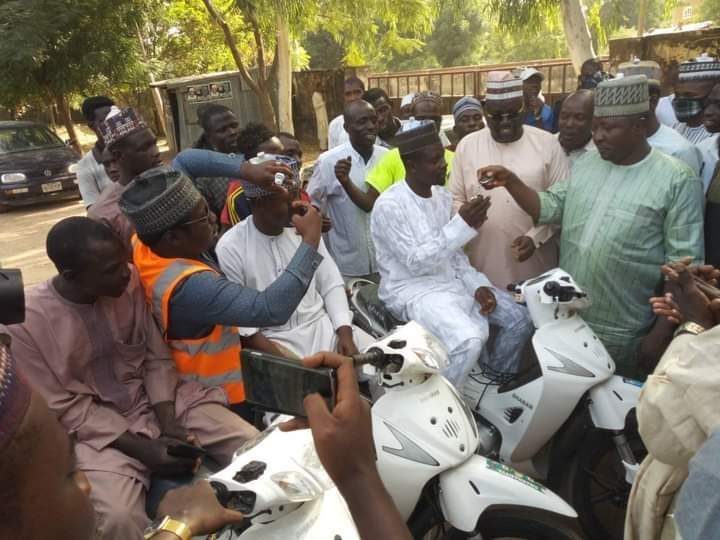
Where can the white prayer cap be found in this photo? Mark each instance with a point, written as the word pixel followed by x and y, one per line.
pixel 503 85
pixel 408 99
pixel 528 72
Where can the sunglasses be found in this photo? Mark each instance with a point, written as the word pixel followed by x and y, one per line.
pixel 498 117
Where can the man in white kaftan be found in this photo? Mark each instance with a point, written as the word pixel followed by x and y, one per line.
pixel 426 276
pixel 257 251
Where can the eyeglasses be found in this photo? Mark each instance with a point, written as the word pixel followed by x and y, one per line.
pixel 497 117
pixel 205 218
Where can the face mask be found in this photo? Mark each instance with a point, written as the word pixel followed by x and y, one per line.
pixel 687 108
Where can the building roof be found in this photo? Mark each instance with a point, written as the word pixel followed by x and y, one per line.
pixel 197 79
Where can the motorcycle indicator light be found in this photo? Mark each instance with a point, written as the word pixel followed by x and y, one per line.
pixel 296 487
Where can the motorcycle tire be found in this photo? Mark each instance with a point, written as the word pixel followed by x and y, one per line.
pixel 507 522
pixel 594 483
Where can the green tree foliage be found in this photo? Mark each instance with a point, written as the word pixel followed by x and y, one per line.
pixel 51 49
pixel 181 39
pixel 710 10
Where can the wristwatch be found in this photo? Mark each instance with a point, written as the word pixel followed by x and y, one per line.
pixel 167 524
pixel 689 327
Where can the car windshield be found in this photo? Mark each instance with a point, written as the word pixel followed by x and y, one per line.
pixel 23 138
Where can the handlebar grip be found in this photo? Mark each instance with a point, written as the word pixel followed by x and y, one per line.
pixel 374 356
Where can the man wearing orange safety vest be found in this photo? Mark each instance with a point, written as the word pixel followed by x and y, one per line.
pixel 197 308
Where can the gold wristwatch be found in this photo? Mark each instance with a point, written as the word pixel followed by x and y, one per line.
pixel 689 327
pixel 167 524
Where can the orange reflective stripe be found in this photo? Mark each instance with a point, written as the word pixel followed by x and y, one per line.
pixel 213 360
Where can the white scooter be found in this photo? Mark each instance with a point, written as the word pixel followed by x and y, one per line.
pixel 562 418
pixel 426 440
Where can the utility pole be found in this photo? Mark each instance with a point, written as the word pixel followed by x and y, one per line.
pixel 642 13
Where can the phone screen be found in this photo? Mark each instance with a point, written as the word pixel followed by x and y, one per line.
pixel 280 385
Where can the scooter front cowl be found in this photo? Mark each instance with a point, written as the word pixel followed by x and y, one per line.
pixel 419 432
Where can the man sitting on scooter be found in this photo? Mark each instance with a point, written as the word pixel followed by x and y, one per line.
pixel 425 274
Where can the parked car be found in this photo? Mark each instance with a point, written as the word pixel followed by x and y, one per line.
pixel 35 165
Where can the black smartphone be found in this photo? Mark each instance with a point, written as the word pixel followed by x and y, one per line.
pixel 185 450
pixel 279 384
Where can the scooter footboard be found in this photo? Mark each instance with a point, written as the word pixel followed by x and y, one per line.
pixel 479 483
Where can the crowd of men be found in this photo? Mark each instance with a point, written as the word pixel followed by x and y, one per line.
pixel 135 344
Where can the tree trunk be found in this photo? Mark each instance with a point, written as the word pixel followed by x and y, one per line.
pixel 267 111
pixel 64 110
pixel 576 32
pixel 284 76
pixel 156 96
pixel 51 116
pixel 642 15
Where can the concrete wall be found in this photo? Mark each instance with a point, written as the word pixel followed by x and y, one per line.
pixel 666 49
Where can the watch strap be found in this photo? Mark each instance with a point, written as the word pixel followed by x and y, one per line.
pixel 689 327
pixel 178 528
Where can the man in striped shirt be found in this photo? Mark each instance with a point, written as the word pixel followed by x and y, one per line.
pixel 626 210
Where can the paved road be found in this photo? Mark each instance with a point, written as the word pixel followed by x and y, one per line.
pixel 22 237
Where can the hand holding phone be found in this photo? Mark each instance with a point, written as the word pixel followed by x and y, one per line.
pixel 343 433
pixel 280 385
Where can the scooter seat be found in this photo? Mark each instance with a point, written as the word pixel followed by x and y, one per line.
pixel 369 302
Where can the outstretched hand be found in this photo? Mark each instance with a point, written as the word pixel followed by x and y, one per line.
pixel 690 303
pixel 263 174
pixel 494 176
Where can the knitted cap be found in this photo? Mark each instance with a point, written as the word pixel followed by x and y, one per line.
pixel 464 104
pixel 704 67
pixel 414 139
pixel 14 397
pixel 159 199
pixel 503 85
pixel 431 97
pixel 622 97
pixel 650 69
pixel 119 124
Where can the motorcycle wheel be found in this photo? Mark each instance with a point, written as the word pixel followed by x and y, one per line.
pixel 508 523
pixel 595 484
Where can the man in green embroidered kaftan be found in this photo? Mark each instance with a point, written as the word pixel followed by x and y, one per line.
pixel 626 210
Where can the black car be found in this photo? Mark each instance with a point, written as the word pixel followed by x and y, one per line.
pixel 35 165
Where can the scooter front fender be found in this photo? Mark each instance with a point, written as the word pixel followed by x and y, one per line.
pixel 479 483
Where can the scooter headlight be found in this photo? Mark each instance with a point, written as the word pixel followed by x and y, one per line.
pixel 296 487
pixel 433 354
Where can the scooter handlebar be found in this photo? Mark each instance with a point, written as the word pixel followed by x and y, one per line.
pixel 375 357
